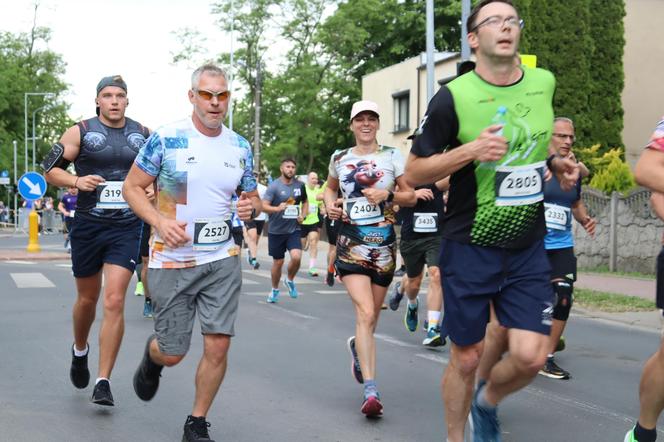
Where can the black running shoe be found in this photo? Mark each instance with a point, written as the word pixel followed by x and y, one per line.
pixel 79 373
pixel 196 429
pixel 330 279
pixel 146 378
pixel 101 395
pixel 553 371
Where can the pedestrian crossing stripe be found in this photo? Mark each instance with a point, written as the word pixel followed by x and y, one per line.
pixel 31 280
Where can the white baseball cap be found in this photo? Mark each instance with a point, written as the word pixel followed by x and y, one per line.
pixel 363 106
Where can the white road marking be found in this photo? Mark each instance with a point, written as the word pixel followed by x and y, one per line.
pixel 433 357
pixel 64 265
pixel 285 310
pixel 248 282
pixel 394 341
pixel 266 274
pixel 330 292
pixel 31 280
pixel 19 262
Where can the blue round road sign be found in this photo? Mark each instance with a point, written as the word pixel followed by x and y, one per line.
pixel 32 186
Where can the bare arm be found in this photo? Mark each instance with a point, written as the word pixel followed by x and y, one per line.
pixel 332 203
pixel 487 147
pixel 61 209
pixel 57 176
pixel 444 184
pixel 248 202
pixel 171 231
pixel 269 208
pixel 580 213
pixel 649 170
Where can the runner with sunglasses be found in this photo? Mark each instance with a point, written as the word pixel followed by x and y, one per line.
pixel 198 164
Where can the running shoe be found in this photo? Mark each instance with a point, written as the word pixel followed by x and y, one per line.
pixel 101 395
pixel 383 307
pixel 486 427
pixel 196 429
pixel 292 290
pixel 371 407
pixel 354 361
pixel 146 377
pixel 273 298
pixel 255 263
pixel 433 338
pixel 553 371
pixel 250 260
pixel 313 272
pixel 330 279
pixel 561 345
pixel 79 373
pixel 140 290
pixel 395 296
pixel 147 308
pixel 411 319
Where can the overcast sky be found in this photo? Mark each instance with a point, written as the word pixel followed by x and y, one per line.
pixel 128 37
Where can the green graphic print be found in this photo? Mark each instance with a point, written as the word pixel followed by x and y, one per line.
pixel 509 192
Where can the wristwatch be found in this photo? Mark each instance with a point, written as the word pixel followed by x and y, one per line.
pixel 390 196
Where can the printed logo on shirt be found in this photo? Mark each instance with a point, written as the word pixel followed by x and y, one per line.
pixel 229 165
pixel 191 160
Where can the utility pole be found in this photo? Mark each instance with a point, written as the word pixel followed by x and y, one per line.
pixel 430 62
pixel 465 12
pixel 257 119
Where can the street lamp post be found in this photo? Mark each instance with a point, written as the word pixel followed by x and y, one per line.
pixel 34 135
pixel 25 114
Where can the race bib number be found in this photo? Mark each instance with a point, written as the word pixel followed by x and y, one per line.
pixel 362 212
pixel 72 213
pixel 313 208
pixel 557 217
pixel 291 212
pixel 425 222
pixel 211 233
pixel 109 196
pixel 519 185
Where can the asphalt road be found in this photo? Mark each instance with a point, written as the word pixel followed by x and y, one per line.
pixel 288 377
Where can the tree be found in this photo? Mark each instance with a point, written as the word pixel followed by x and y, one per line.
pixel 25 67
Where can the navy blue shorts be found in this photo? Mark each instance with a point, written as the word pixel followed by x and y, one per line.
pixel 95 243
pixel 277 243
pixel 517 281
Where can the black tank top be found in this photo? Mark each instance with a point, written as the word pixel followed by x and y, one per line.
pixel 436 205
pixel 108 152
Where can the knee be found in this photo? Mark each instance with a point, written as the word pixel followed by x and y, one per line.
pixel 529 362
pixel 171 360
pixel 563 291
pixel 216 348
pixel 113 303
pixel 366 316
pixel 467 359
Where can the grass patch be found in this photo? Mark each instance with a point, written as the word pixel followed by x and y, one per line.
pixel 611 302
pixel 605 270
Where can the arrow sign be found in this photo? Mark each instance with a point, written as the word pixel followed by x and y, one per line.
pixel 32 186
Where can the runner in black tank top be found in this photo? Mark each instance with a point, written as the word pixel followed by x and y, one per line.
pixel 105 232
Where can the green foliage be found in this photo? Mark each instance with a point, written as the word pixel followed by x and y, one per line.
pixel 609 171
pixel 24 67
pixel 582 43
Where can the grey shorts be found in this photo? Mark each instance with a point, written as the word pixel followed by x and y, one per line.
pixel 420 251
pixel 212 289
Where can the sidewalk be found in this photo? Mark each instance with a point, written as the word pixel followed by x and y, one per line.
pixel 23 255
pixel 623 285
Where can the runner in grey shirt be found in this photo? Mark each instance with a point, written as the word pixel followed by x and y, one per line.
pixel 285 201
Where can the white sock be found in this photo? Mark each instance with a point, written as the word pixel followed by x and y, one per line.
pixel 312 263
pixel 434 317
pixel 102 379
pixel 78 353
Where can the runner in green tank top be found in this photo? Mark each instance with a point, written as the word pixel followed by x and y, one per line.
pixel 489 130
pixel 310 229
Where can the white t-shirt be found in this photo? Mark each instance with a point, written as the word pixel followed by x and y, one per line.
pixel 261 193
pixel 196 178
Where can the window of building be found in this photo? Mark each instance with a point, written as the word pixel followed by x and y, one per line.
pixel 401 111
